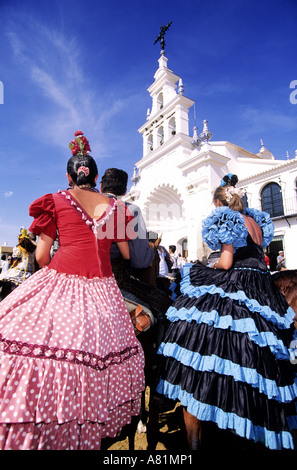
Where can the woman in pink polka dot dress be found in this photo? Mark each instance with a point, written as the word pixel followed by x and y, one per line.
pixel 71 368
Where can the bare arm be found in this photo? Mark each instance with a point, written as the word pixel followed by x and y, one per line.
pixel 43 249
pixel 124 249
pixel 226 258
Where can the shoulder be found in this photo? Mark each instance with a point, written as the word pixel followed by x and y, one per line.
pixel 132 207
pixel 134 210
pixel 43 210
pixel 106 200
pixel 41 204
pixel 264 221
pixel 45 197
pixel 259 216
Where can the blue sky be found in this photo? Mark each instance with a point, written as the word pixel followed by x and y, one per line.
pixel 68 65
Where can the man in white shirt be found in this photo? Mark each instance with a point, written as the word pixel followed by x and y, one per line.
pixel 4 264
pixel 174 259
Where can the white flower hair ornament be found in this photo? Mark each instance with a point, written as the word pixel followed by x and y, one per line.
pixel 231 190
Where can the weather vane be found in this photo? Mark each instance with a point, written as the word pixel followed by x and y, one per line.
pixel 161 37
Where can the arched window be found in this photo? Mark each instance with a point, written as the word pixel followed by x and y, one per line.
pixel 160 135
pixel 150 143
pixel 271 200
pixel 160 101
pixel 172 128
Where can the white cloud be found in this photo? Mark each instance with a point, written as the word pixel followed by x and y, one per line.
pixel 54 63
pixel 8 194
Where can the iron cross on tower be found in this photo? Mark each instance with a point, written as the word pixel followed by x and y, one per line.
pixel 161 37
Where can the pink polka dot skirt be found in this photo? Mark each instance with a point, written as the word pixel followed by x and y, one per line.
pixel 71 368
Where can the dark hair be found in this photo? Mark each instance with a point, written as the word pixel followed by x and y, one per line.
pixel 114 181
pixel 172 248
pixel 77 161
pixel 3 257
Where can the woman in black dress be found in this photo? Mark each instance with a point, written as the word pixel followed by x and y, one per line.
pixel 226 354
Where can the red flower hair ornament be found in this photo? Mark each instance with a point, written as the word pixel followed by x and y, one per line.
pixel 80 145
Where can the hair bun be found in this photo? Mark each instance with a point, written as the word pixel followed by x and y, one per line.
pixel 230 180
pixel 233 180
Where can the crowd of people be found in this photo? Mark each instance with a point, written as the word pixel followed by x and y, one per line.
pixel 73 366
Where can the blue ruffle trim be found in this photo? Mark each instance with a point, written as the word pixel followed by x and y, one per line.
pixel 245 325
pixel 242 426
pixel 224 225
pixel 264 221
pixel 253 305
pixel 226 367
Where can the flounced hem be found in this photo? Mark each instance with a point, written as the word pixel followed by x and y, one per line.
pixel 284 322
pixel 245 325
pixel 213 363
pixel 66 436
pixel 44 390
pixel 52 273
pixel 242 426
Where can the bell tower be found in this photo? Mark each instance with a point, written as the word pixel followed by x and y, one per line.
pixel 159 186
pixel 168 115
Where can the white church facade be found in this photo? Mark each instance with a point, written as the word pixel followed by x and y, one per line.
pixel 174 180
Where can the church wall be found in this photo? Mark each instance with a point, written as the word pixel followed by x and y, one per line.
pixel 285 232
pixel 195 188
pixel 178 174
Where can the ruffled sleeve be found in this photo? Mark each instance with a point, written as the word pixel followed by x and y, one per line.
pixel 224 226
pixel 44 213
pixel 265 223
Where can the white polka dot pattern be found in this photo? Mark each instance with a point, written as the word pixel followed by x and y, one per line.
pixel 71 367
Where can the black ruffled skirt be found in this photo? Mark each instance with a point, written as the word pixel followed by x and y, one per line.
pixel 226 354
